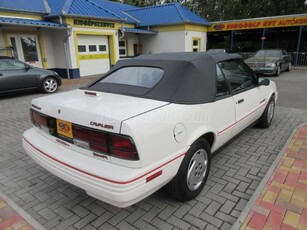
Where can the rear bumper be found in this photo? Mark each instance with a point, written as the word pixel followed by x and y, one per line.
pixel 113 184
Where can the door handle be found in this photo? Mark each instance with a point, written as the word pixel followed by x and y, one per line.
pixel 240 101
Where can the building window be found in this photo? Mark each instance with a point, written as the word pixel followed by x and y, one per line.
pixel 102 48
pixel 196 44
pixel 81 49
pixel 122 48
pixel 92 48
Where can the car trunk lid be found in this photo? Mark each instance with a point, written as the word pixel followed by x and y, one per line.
pixel 102 111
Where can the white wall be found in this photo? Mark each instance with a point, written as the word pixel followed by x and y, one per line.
pixel 132 39
pixel 172 41
pixel 49 48
pixel 57 37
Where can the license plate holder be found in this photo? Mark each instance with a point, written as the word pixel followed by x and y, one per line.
pixel 64 128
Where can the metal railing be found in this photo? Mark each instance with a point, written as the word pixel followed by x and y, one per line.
pixel 297 59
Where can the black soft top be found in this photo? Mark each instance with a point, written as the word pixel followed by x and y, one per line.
pixel 189 78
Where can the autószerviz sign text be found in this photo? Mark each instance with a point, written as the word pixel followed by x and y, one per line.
pixel 259 24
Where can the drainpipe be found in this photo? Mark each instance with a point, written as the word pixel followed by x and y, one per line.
pixel 65 50
pixel 122 31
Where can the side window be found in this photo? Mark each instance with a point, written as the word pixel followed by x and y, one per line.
pixel 238 74
pixel 221 84
pixel 11 64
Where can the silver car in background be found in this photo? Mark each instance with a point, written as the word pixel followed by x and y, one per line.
pixel 270 61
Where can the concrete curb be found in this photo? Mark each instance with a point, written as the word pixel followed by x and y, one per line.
pixel 262 184
pixel 22 212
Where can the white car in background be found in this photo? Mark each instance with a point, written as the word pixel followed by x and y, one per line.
pixel 150 121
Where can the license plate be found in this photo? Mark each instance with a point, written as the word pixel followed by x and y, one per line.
pixel 64 128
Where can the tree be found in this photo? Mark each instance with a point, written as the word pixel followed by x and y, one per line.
pixel 217 10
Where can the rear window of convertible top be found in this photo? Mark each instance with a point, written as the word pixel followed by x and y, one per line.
pixel 140 76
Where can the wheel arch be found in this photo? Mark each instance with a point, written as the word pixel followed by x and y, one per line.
pixel 209 136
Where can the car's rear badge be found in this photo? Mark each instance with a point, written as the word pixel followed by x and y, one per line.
pixel 105 126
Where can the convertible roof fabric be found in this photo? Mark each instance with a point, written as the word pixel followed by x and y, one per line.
pixel 189 78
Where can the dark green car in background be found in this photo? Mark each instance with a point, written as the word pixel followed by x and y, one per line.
pixel 17 76
pixel 270 61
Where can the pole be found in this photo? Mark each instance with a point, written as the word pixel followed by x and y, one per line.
pixel 231 40
pixel 298 47
pixel 263 38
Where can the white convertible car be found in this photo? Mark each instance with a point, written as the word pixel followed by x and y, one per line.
pixel 150 121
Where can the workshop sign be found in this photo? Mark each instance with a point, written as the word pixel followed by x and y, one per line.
pixel 92 23
pixel 259 23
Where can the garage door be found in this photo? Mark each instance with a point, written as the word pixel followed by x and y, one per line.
pixel 93 54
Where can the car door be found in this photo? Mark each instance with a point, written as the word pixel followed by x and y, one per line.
pixel 247 97
pixel 224 111
pixel 16 75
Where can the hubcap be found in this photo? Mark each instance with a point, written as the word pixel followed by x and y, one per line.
pixel 270 112
pixel 290 66
pixel 50 85
pixel 197 169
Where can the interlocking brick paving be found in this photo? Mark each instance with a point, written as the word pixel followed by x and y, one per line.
pixel 282 204
pixel 10 219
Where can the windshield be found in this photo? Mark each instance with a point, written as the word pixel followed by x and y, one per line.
pixel 145 77
pixel 268 53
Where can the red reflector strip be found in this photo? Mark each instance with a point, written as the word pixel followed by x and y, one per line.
pixel 153 176
pixel 90 93
pixel 36 107
pixel 62 142
pixel 102 178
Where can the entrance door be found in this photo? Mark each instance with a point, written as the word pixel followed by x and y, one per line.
pixel 26 48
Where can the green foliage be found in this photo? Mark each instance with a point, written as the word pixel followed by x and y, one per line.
pixel 217 10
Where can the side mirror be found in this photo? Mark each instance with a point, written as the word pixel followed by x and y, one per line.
pixel 27 67
pixel 263 81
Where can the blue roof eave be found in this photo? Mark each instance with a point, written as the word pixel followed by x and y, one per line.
pixel 139 31
pixel 32 23
pixel 177 23
pixel 25 11
pixel 92 17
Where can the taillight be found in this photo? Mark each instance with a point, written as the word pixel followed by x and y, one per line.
pixel 45 123
pixel 123 147
pixel 90 139
pixel 101 142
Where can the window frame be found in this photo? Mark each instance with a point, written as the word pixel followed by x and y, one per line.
pixel 229 94
pixel 123 48
pixel 198 46
pixel 246 67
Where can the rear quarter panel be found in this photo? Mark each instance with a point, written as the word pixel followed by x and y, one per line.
pixel 153 132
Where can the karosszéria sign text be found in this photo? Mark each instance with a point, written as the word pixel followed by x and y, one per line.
pixel 87 22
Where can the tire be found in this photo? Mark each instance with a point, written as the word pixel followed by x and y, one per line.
pixel 50 85
pixel 266 118
pixel 289 67
pixel 278 71
pixel 193 172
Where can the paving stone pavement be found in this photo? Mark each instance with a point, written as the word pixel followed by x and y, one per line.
pixel 280 202
pixel 235 174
